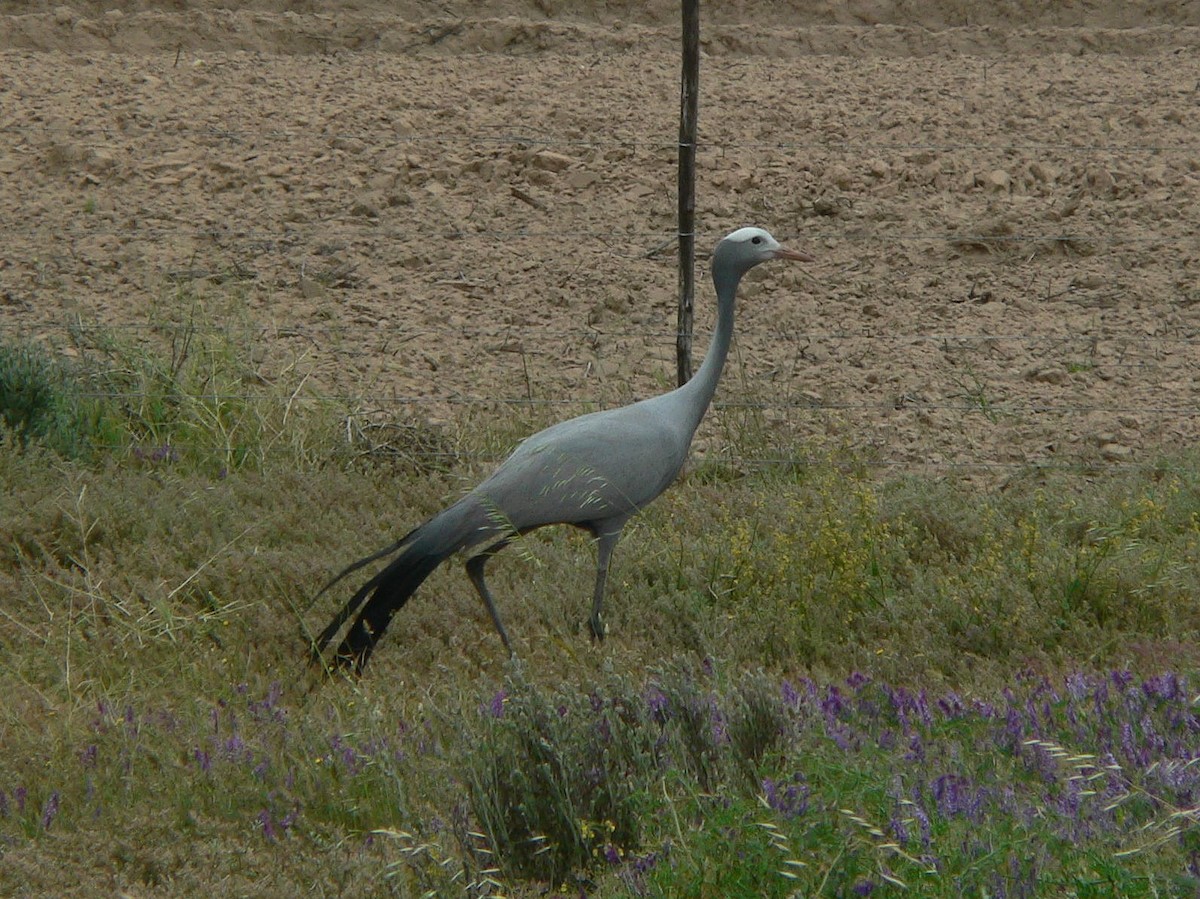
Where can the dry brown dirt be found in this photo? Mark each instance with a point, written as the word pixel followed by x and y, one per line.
pixel 434 205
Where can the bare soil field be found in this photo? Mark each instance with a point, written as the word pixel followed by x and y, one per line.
pixel 437 205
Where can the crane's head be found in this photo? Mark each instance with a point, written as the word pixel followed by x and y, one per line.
pixel 745 248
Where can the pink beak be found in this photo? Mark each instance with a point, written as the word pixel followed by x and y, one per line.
pixel 785 253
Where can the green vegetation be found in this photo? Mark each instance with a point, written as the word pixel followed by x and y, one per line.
pixel 198 387
pixel 818 680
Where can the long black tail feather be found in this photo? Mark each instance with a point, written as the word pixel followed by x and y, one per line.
pixel 383 595
pixel 389 591
pixel 343 615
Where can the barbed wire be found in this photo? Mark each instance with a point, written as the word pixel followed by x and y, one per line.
pixel 294 234
pixel 999 408
pixel 388 137
pixel 1092 340
pixel 166 453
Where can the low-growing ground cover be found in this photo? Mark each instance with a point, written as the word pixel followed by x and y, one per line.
pixel 818 681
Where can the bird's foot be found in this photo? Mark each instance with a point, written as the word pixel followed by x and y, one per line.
pixel 597 628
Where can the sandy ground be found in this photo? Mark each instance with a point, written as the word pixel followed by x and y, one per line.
pixel 438 205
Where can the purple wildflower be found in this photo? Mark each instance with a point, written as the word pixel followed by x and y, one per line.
pixel 345 752
pixel 720 732
pixel 832 705
pixel 87 758
pixel 646 862
pixel 790 697
pixel 235 748
pixel 603 731
pixel 496 706
pixel 1167 686
pixel 1193 865
pixel 1014 729
pixel 791 801
pixel 954 796
pixel 203 759
pixel 916 748
pixel 1043 763
pixel 984 709
pixel 658 704
pixel 268 826
pixel 50 810
pixel 842 737
pixel 267 707
pixel 1077 686
pixel 19 795
pixel 922 709
pixel 857 680
pixel 1128 746
pixel 863 888
pixel 922 819
pixel 633 874
pixel 951 705
pixel 165 453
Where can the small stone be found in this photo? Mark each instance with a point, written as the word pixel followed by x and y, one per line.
pixel 1101 180
pixel 1116 452
pixel 995 180
pixel 540 177
pixel 1087 282
pixel 100 159
pixel 1041 172
pixel 582 180
pixel 550 161
pixel 840 175
pixel 1047 375
pixel 312 290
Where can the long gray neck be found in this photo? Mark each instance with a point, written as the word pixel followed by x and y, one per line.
pixel 698 392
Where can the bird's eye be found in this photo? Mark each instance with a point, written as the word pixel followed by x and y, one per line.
pixel 756 239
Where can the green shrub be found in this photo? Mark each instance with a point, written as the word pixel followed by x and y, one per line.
pixel 45 399
pixel 195 394
pixel 804 564
pixel 561 778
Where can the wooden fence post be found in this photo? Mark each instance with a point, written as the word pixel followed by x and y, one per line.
pixel 689 88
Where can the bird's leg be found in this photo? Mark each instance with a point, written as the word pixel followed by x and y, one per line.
pixel 606 542
pixel 475 573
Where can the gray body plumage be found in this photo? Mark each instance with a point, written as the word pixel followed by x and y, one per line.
pixel 595 472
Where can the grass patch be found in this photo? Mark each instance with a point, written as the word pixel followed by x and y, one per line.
pixel 816 680
pixel 200 392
